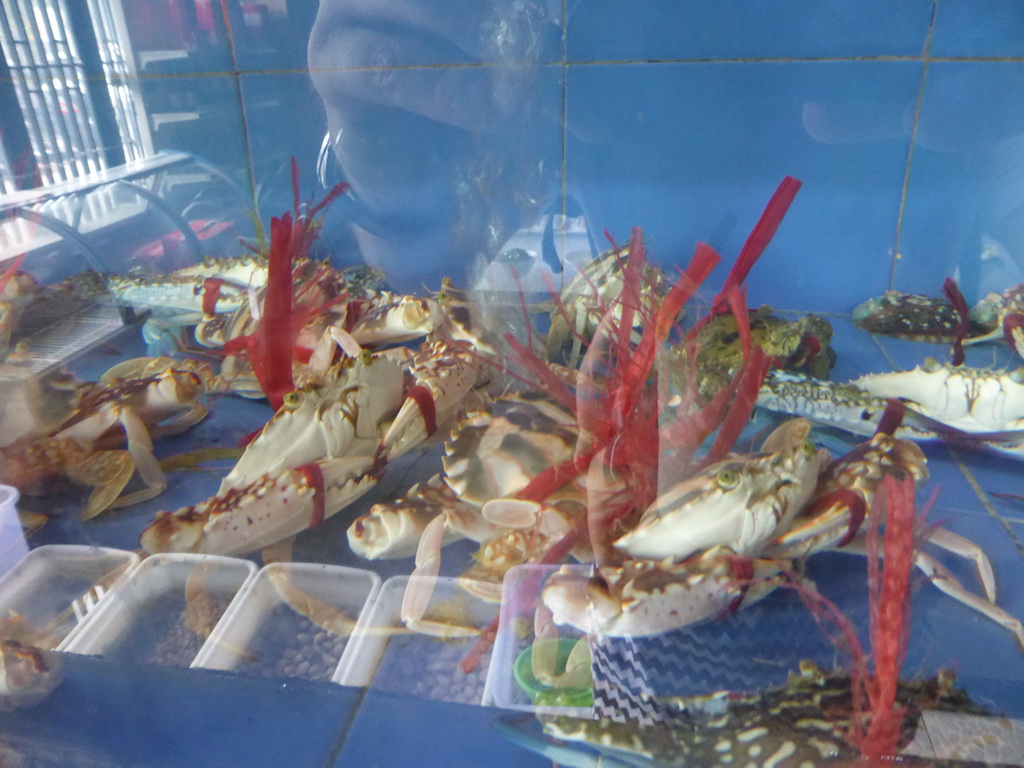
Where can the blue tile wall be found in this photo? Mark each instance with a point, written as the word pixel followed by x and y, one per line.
pixel 601 30
pixel 979 28
pixel 677 115
pixel 965 201
pixel 693 151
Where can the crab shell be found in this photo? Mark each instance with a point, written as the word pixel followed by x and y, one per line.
pixel 740 501
pixel 338 414
pixel 491 454
pixel 271 508
pixel 643 597
pixel 967 399
pixel 908 316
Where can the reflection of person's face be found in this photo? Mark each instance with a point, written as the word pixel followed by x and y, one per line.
pixel 445 160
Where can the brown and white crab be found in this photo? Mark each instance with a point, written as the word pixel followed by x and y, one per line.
pixel 323 448
pixel 724 536
pixel 1001 315
pixel 976 406
pixel 492 454
pixel 86 446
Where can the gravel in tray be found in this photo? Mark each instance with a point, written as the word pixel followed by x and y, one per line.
pixel 161 635
pixel 432 668
pixel 289 645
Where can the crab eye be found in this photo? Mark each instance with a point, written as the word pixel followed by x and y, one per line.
pixel 808 447
pixel 727 479
pixel 292 399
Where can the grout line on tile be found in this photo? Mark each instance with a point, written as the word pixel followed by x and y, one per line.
pixel 884 351
pixel 747 60
pixel 983 59
pixel 564 185
pixel 896 255
pixel 983 497
pixel 241 105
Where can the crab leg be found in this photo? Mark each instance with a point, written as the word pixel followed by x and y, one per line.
pixel 950 585
pixel 421 587
pixel 965 548
pixel 940 576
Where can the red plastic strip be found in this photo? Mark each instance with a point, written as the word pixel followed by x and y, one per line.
pixel 211 293
pixel 952 293
pixel 315 477
pixel 425 401
pixel 892 417
pixel 760 236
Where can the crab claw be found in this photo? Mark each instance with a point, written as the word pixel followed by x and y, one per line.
pixel 443 374
pixel 393 530
pixel 269 509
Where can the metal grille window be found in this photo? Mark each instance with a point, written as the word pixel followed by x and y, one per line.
pixel 122 84
pixel 51 88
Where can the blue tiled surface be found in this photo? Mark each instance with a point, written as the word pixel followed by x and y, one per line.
pixel 686 151
pixel 271 36
pixel 284 119
pixel 431 733
pixel 166 718
pixel 199 115
pixel 965 204
pixel 991 28
pixel 702 164
pixel 445 163
pixel 726 29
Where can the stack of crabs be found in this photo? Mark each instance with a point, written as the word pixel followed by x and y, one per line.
pixel 610 439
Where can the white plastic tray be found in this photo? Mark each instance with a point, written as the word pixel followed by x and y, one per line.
pixel 144 620
pixel 277 631
pixel 387 656
pixel 520 596
pixel 53 587
pixel 13 546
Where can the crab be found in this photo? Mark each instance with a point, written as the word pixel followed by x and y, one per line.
pixel 909 316
pixel 782 726
pixel 85 447
pixel 589 296
pixel 976 407
pixel 801 344
pixel 1002 316
pixel 325 447
pixel 685 562
pixel 28 674
pixel 491 455
pixel 183 297
pixel 971 400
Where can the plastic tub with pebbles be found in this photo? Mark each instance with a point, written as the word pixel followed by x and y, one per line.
pixel 294 620
pixel 448 663
pixel 166 610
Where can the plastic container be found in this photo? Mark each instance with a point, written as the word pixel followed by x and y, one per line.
pixel 291 621
pixel 510 681
pixel 13 546
pixel 151 618
pixel 540 692
pixel 54 587
pixel 389 657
